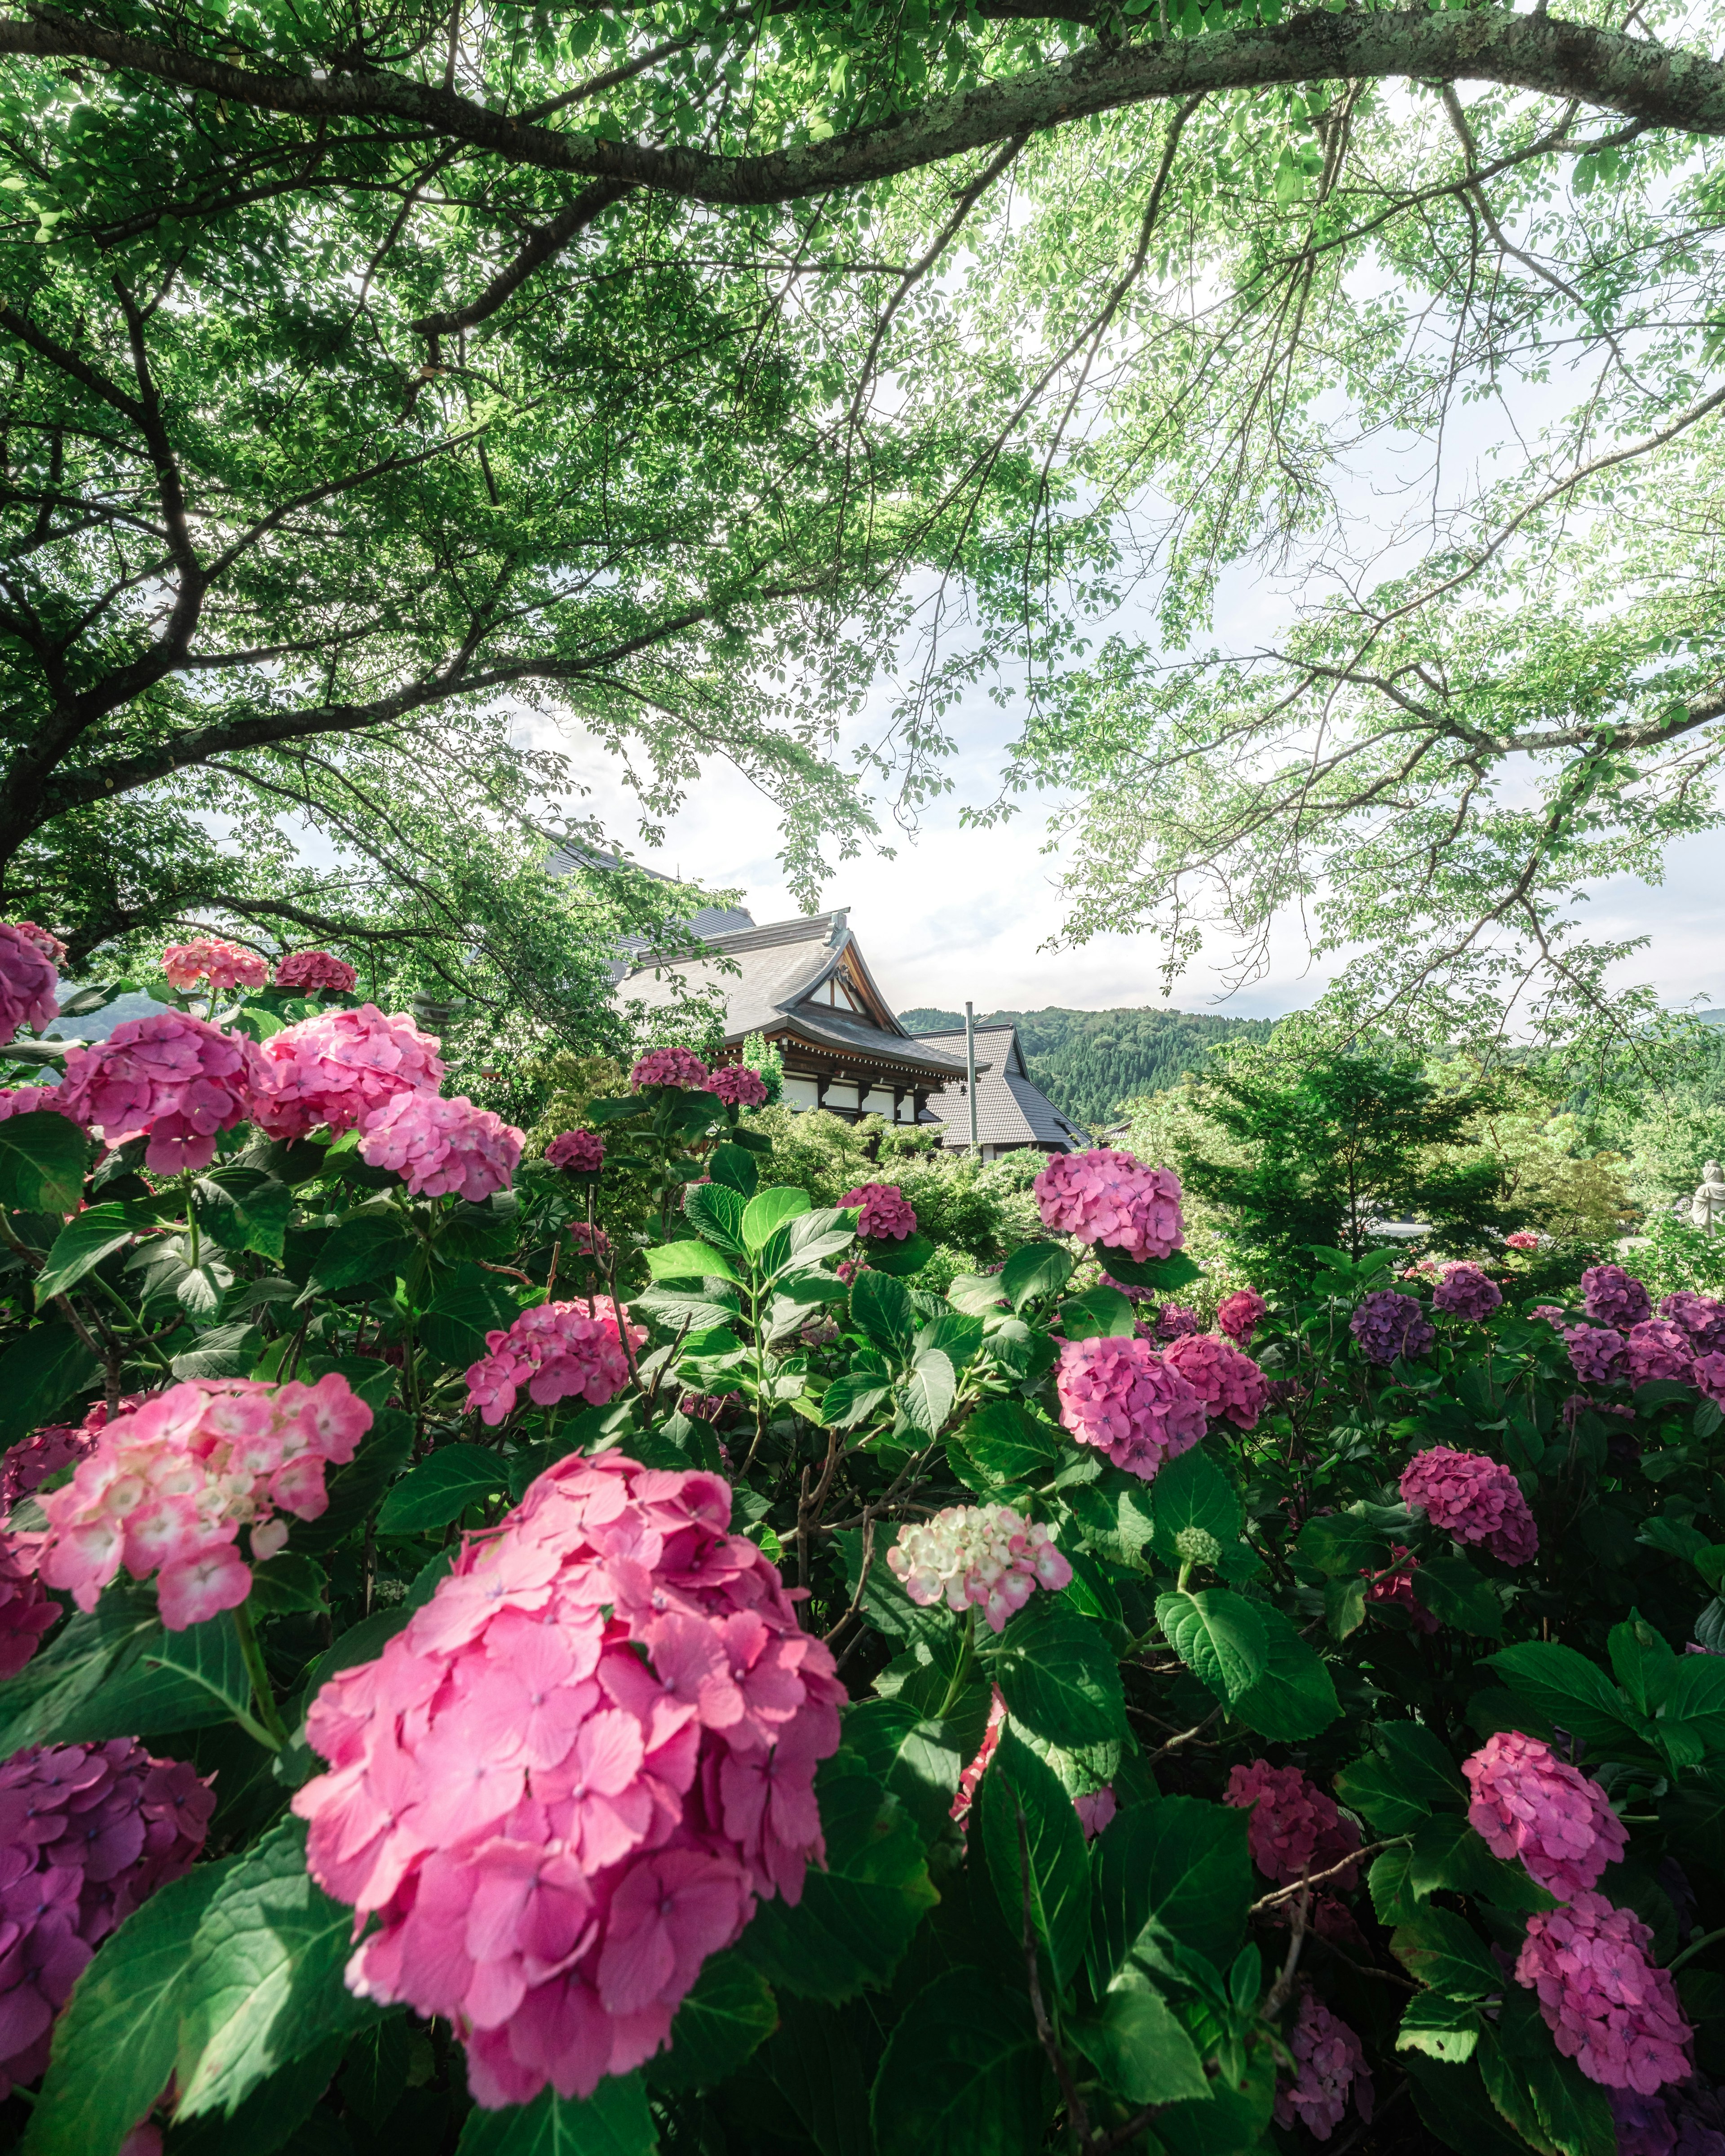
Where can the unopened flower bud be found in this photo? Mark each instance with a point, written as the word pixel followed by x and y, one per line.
pixel 1197 1546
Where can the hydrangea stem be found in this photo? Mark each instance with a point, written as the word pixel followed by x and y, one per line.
pixel 262 1694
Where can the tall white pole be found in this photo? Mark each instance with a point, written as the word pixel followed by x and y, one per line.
pixel 970 1067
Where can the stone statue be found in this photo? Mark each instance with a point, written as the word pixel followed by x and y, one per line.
pixel 1706 1208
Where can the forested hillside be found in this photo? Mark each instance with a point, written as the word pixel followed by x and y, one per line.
pixel 1089 1062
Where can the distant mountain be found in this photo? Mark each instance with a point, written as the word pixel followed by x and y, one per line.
pixel 1089 1062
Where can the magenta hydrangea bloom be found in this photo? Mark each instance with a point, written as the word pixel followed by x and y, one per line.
pixel 1610 2009
pixel 1109 1198
pixel 882 1211
pixel 670 1066
pixel 1097 1810
pixel 1395 1587
pixel 45 941
pixel 568 1780
pixel 26 1609
pixel 1684 2119
pixel 1229 1383
pixel 581 1153
pixel 28 980
pixel 442 1148
pixel 1657 1348
pixel 1174 1322
pixel 316 969
pixel 1465 1291
pixel 1529 1804
pixel 224 965
pixel 1548 1313
pixel 588 1241
pixel 1523 1238
pixel 172 1078
pixel 1611 1296
pixel 341 1067
pixel 559 1351
pixel 737 1086
pixel 31 1100
pixel 1706 1373
pixel 985 1555
pixel 1329 2067
pixel 1388 1325
pixel 1240 1314
pixel 25 1466
pixel 1294 1831
pixel 1701 1318
pixel 1598 1355
pixel 1121 1396
pixel 1474 1499
pixel 170 1485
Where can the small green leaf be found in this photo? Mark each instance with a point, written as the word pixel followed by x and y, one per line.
pixel 615 2121
pixel 1058 1674
pixel 1220 1636
pixel 1141 2052
pixel 441 1488
pixel 770 1210
pixel 1447 2029
pixel 42 1159
pixel 371 1250
pixel 1439 1948
pixel 689 1261
pixel 1035 1852
pixel 1036 1269
pixel 962 2074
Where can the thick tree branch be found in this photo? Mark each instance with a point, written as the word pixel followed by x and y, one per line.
pixel 546 241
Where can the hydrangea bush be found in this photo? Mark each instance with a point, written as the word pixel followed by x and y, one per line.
pixel 488 1666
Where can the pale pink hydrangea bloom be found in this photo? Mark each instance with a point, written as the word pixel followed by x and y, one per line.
pixel 1474 1499
pixel 1096 1811
pixel 1598 1355
pixel 581 1153
pixel 1523 1238
pixel 1108 1198
pixel 1529 1804
pixel 442 1148
pixel 1240 1314
pixel 173 1078
pixel 1229 1383
pixel 1122 1397
pixel 1610 2009
pixel 340 1068
pixel 224 965
pixel 1294 1831
pixel 1702 1318
pixel 985 1555
pixel 737 1086
pixel 670 1066
pixel 314 970
pixel 28 980
pixel 30 1100
pixel 1657 1348
pixel 170 1485
pixel 881 1212
pixel 1707 1375
pixel 559 1351
pixel 568 1781
pixel 1611 1296
pixel 1329 2066
pixel 1465 1291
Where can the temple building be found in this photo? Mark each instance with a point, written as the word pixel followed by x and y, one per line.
pixel 1011 1113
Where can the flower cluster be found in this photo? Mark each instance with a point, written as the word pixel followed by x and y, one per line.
pixel 442 1148
pixel 173 1078
pixel 1657 1348
pixel 881 1212
pixel 314 970
pixel 1174 1322
pixel 224 965
pixel 1529 1804
pixel 1395 1588
pixel 1523 1238
pixel 170 1484
pixel 707 1407
pixel 1229 1383
pixel 588 1241
pixel 670 1066
pixel 88 1832
pixel 1707 1375
pixel 581 1153
pixel 1120 1287
pixel 1610 2010
pixel 558 1351
pixel 1598 1353
pixel 340 1068
pixel 985 1555
pixel 1097 1810
pixel 1611 1296
pixel 1548 1313
pixel 1294 1831
pixel 1240 1314
pixel 1686 2119
pixel 1122 1396
pixel 564 1783
pixel 1465 1291
pixel 25 1466
pixel 26 1100
pixel 1109 1198
pixel 28 980
pixel 737 1086
pixel 1473 1498
pixel 1387 1324
pixel 1329 2066
pixel 45 941
pixel 26 1612
pixel 1701 1318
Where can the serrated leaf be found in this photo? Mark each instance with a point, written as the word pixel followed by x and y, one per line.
pixel 1447 2029
pixel 1036 1269
pixel 768 1211
pixel 615 2121
pixel 1193 1491
pixel 1456 1593
pixel 927 1394
pixel 715 1211
pixel 1439 1949
pixel 468 1303
pixel 87 1238
pixel 1035 1853
pixel 50 1366
pixel 1009 1445
pixel 1220 1636
pixel 962 2074
pixel 1448 1856
pixel 441 1488
pixel 1058 1674
pixel 881 1307
pixel 689 1261
pixel 1172 1874
pixel 1100 1312
pixel 372 1250
pixel 1296 1697
pixel 1396 1784
pixel 1568 1689
pixel 43 1158
pixel 728 2014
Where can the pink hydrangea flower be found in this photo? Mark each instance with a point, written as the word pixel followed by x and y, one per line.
pixel 1240 1314
pixel 31 1100
pixel 1120 1287
pixel 1598 1355
pixel 88 1832
pixel 1529 1804
pixel 568 1780
pixel 1294 1831
pixel 971 1779
pixel 588 1241
pixel 45 941
pixel 1611 1296
pixel 1229 1383
pixel 670 1066
pixel 1610 2009
pixel 442 1148
pixel 1548 1313
pixel 1706 1373
pixel 1474 1499
pixel 1465 1291
pixel 1109 1198
pixel 170 1484
pixel 1122 1397
pixel 985 1555
pixel 316 969
pixel 581 1153
pixel 1096 1811
pixel 1388 1325
pixel 28 980
pixel 224 965
pixel 1657 1348
pixel 882 1212
pixel 559 1351
pixel 26 1611
pixel 1701 1318
pixel 736 1086
pixel 1523 1238
pixel 25 1466
pixel 707 1407
pixel 1174 1322
pixel 1329 2066
pixel 341 1067
pixel 1395 1586
pixel 1686 2119
pixel 170 1077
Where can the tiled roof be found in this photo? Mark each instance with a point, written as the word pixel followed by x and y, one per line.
pixel 1009 1109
